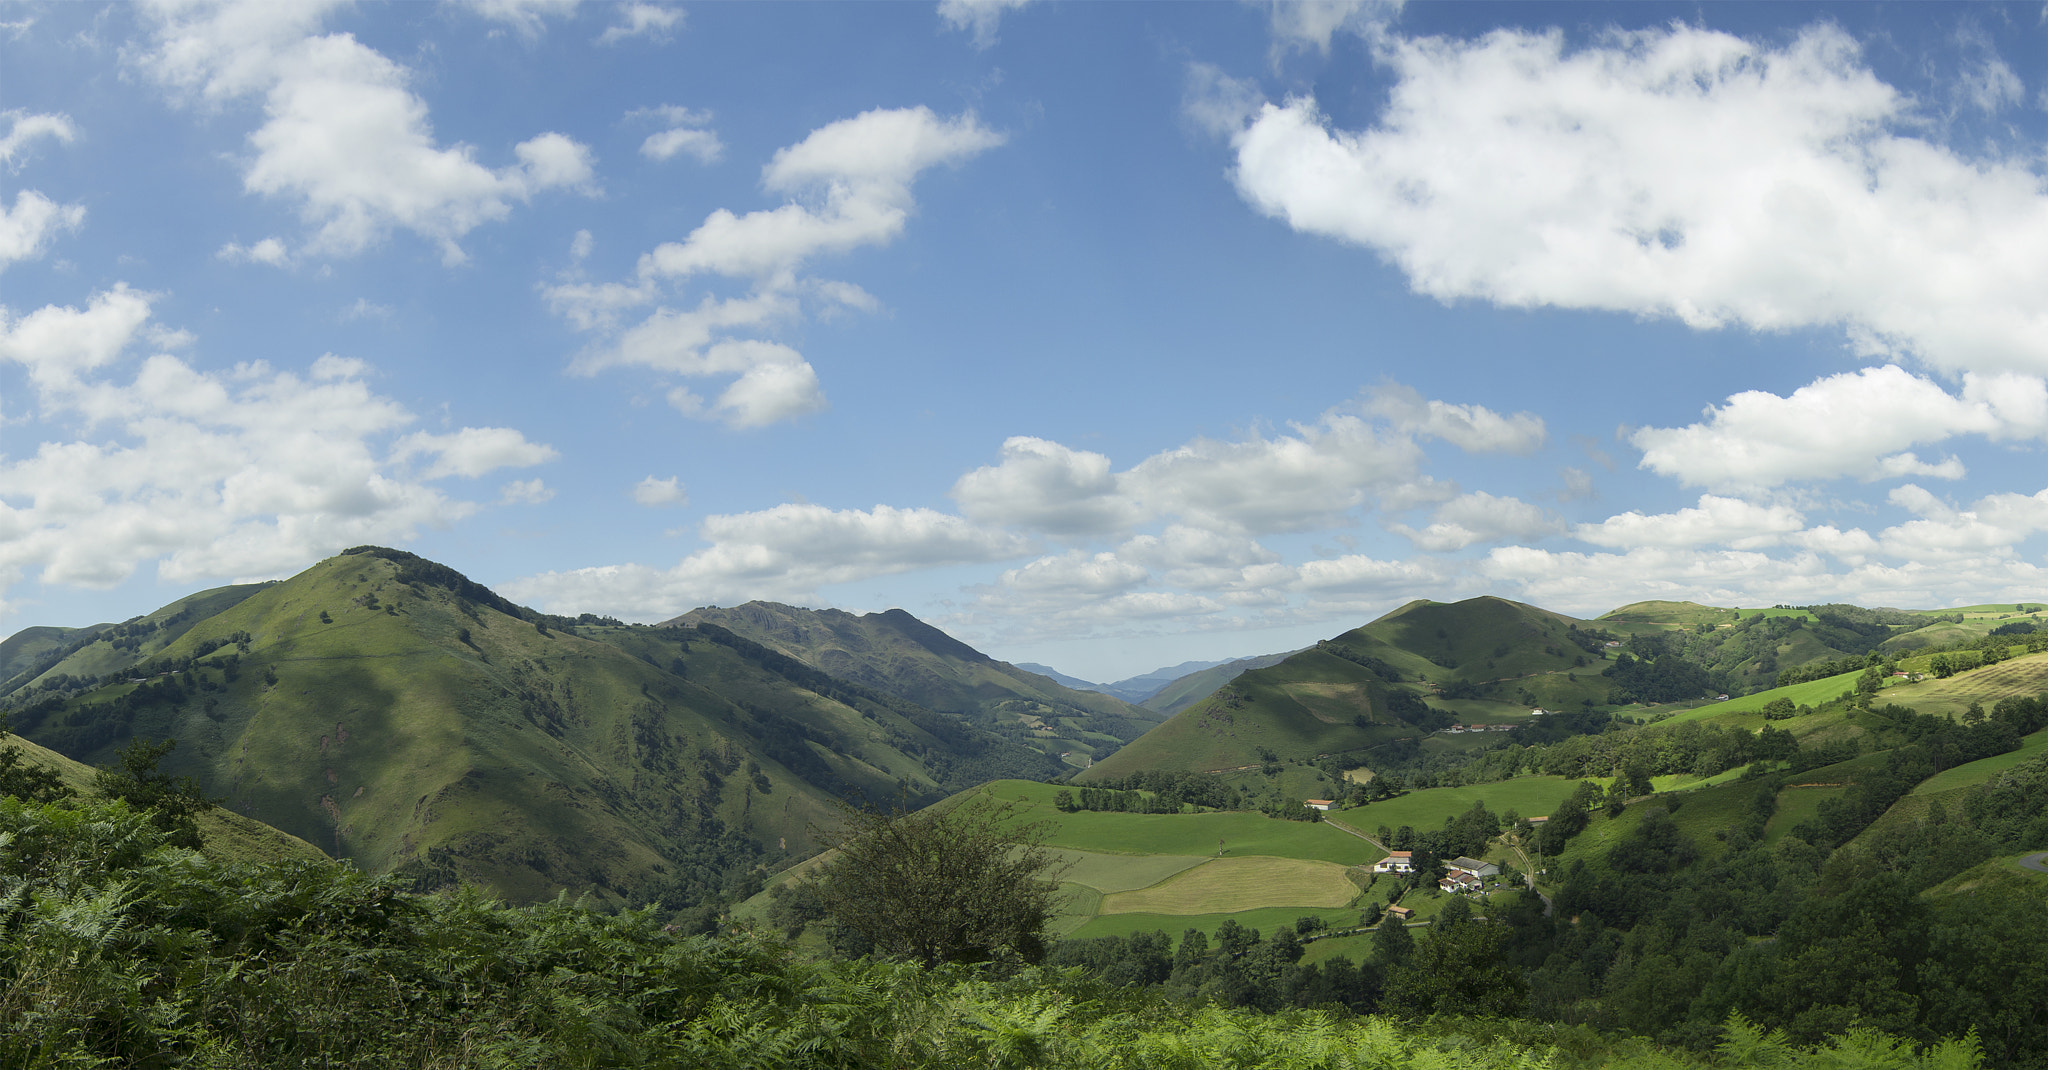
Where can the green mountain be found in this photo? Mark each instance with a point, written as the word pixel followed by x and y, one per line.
pixel 399 715
pixel 1180 693
pixel 895 653
pixel 1417 669
pixel 227 836
pixel 50 660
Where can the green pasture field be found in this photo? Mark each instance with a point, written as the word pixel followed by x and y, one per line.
pixel 1294 782
pixel 1173 925
pixel 1528 796
pixel 1995 609
pixel 1357 948
pixel 1796 805
pixel 1699 813
pixel 1241 833
pixel 2022 677
pixel 1462 742
pixel 1077 904
pixel 1984 769
pixel 1687 781
pixel 1664 614
pixel 1483 711
pixel 1810 693
pixel 1122 873
pixel 1802 614
pixel 1226 885
pixel 1911 812
pixel 2002 872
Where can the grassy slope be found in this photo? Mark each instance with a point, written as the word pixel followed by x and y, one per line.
pixel 538 762
pixel 896 653
pixel 1746 710
pixel 1196 686
pixel 1528 796
pixel 1514 655
pixel 1265 920
pixel 23 649
pixel 1982 770
pixel 102 657
pixel 226 835
pixel 1678 613
pixel 1164 843
pixel 2020 677
pixel 1223 885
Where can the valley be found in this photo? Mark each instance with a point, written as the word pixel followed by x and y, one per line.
pixel 385 710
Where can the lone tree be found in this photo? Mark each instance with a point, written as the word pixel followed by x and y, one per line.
pixel 174 802
pixel 957 883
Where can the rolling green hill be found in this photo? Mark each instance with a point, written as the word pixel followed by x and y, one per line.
pixel 226 835
pixel 396 714
pixel 1394 679
pixel 1196 686
pixel 40 659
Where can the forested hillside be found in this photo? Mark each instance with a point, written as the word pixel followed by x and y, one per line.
pixel 399 715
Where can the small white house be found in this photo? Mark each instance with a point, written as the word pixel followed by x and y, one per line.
pixel 1318 804
pixel 1396 862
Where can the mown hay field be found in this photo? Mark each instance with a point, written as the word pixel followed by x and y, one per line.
pixel 1265 920
pixel 1232 885
pixel 1122 873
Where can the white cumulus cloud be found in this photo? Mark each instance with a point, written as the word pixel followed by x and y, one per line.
pixel 789 552
pixel 1715 521
pixel 27 226
pixel 528 17
pixel 652 21
pixel 1479 517
pixel 977 17
pixel 1472 428
pixel 848 185
pixel 344 137
pixel 1047 487
pixel 269 251
pixel 1675 172
pixel 1856 424
pixel 473 451
pixel 652 491
pixel 249 472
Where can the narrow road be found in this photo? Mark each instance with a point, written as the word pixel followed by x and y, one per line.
pixel 1529 875
pixel 2037 861
pixel 1347 828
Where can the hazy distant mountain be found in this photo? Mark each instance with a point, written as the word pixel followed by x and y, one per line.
pixel 1135 689
pixel 1059 677
pixel 1187 690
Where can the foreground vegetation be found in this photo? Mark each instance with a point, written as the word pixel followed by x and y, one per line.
pixel 120 950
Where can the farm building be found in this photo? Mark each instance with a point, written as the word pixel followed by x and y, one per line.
pixel 1396 862
pixel 1472 867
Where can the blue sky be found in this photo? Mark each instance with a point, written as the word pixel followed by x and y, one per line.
pixel 1102 335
